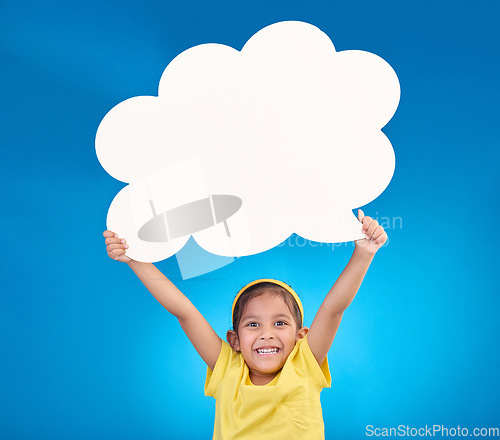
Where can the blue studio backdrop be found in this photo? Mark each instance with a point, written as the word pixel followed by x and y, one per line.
pixel 87 352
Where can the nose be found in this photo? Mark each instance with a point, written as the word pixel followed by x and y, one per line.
pixel 267 332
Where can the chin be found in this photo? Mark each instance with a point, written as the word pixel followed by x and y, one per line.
pixel 270 369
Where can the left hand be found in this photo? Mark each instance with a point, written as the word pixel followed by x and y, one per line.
pixel 375 234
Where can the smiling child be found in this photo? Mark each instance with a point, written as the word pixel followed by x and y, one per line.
pixel 268 377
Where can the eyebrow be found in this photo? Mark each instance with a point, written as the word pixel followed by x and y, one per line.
pixel 279 315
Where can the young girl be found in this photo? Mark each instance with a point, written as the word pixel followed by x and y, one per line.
pixel 267 380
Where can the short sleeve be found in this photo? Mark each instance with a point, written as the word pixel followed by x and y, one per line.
pixel 305 360
pixel 214 377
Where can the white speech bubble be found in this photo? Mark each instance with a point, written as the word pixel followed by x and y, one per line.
pixel 241 149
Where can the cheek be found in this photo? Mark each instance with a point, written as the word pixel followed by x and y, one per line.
pixel 245 341
pixel 291 339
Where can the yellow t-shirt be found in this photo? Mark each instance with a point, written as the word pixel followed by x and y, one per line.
pixel 288 407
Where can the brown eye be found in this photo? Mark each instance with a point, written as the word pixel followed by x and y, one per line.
pixel 280 323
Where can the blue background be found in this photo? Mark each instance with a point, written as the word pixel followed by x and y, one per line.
pixel 87 352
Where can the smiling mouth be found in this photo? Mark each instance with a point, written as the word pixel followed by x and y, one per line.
pixel 267 351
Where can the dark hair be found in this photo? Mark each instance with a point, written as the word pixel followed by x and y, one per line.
pixel 257 290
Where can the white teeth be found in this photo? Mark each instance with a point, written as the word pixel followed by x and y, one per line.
pixel 267 350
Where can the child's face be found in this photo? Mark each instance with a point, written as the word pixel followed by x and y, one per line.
pixel 267 334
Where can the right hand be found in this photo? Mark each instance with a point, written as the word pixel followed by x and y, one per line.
pixel 116 247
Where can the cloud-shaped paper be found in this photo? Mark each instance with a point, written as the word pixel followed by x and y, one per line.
pixel 243 149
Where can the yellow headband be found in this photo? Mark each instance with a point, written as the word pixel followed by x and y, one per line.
pixel 279 283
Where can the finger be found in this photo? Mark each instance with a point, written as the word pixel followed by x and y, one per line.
pixel 371 229
pixel 366 224
pixel 382 239
pixel 112 247
pixel 117 253
pixel 114 240
pixel 108 233
pixel 378 232
pixel 361 214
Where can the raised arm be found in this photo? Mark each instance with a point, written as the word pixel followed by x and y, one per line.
pixel 198 330
pixel 327 320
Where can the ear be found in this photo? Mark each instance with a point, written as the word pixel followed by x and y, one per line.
pixel 232 338
pixel 302 332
